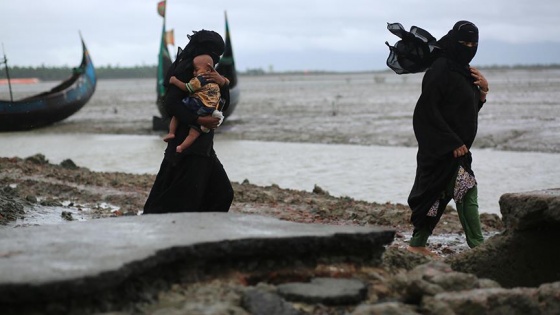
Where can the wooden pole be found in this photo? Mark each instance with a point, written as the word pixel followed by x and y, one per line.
pixel 5 61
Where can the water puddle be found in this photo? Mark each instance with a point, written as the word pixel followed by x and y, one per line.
pixel 66 213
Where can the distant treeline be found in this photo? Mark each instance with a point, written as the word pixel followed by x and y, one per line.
pixel 108 72
pixel 60 73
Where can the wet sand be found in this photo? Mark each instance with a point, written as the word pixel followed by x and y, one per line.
pixel 522 112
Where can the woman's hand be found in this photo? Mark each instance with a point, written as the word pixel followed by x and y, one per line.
pixel 460 151
pixel 208 121
pixel 481 81
pixel 214 76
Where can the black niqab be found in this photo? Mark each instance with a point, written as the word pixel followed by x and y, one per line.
pixel 463 31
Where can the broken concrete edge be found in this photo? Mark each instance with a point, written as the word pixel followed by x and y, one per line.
pixel 526 210
pixel 143 278
pixel 77 250
pixel 523 254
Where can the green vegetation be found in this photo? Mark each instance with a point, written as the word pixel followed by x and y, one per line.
pixel 60 73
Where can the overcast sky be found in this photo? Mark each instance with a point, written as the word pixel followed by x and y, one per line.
pixel 272 34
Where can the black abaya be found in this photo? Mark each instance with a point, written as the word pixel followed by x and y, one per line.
pixel 445 118
pixel 194 180
pixel 193 184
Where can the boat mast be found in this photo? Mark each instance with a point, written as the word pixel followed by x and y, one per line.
pixel 5 62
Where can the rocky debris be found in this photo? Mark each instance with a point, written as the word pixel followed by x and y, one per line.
pixel 328 291
pixel 11 206
pixel 69 164
pixel 525 254
pixel 38 159
pixel 50 202
pixel 396 259
pixel 385 308
pixel 67 215
pixel 431 288
pixel 434 278
pixel 522 301
pixel 257 301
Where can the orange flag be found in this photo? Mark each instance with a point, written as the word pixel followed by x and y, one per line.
pixel 170 38
pixel 161 8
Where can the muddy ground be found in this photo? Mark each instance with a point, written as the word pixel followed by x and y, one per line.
pixel 32 185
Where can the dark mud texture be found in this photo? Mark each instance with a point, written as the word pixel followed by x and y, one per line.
pixel 511 273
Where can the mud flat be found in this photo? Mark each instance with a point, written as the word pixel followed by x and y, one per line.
pixel 360 276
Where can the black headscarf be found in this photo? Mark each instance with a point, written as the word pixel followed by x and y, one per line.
pixel 464 31
pixel 203 42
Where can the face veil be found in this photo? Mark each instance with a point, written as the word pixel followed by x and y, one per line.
pixel 463 31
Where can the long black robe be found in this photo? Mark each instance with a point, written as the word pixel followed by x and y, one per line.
pixel 195 180
pixel 445 118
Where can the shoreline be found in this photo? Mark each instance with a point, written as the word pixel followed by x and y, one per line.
pixel 371 173
pixel 75 193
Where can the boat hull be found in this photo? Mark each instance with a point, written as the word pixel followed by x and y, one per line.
pixel 52 106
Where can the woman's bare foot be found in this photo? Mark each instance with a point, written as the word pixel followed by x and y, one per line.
pixel 168 137
pixel 422 250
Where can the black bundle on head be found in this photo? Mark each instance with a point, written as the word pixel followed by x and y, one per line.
pixel 205 42
pixel 414 53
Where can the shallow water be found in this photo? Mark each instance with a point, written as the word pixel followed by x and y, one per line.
pixel 522 112
pixel 371 173
pixel 350 134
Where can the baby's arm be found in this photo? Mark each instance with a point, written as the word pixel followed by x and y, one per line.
pixel 194 84
pixel 178 83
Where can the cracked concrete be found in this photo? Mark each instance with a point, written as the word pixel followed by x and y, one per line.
pixel 78 260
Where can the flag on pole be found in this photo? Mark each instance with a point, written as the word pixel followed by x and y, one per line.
pixel 164 62
pixel 161 8
pixel 170 38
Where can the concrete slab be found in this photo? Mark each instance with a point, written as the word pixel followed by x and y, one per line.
pixel 526 253
pixel 529 210
pixel 78 258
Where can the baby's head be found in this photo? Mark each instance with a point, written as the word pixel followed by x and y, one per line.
pixel 202 64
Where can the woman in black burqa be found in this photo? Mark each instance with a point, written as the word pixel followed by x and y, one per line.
pixel 445 124
pixel 194 180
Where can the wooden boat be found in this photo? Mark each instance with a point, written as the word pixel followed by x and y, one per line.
pixel 226 67
pixel 52 106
